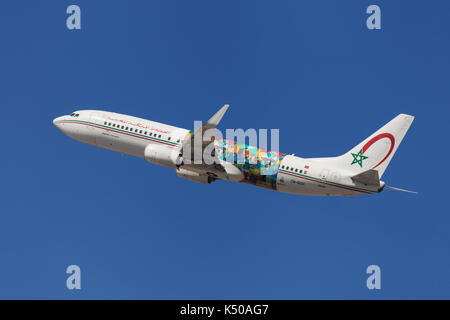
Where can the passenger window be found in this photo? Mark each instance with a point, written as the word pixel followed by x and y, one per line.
pixel 105 123
pixel 122 127
pixel 145 132
pixel 126 128
pixel 287 168
pixel 168 138
pixel 296 170
pixel 150 134
pixel 301 171
pixel 159 136
pixel 140 131
pixel 114 125
pixel 178 141
pixel 136 130
pixel 282 167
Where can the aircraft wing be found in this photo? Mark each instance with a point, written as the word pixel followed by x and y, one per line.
pixel 200 144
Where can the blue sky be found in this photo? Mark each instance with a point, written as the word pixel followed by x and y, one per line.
pixel 310 68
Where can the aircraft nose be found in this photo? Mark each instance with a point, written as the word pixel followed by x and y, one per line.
pixel 57 120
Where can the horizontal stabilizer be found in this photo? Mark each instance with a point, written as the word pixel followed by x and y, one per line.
pixel 368 178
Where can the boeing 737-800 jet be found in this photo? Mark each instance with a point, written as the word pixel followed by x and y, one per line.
pixel 355 172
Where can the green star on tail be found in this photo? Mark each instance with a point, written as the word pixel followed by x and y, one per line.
pixel 358 158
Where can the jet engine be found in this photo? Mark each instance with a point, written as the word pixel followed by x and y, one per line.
pixel 161 155
pixel 194 176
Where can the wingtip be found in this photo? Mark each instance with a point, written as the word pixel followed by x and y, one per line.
pixel 215 119
pixel 407 116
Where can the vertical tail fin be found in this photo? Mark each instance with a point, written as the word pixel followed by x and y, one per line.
pixel 377 151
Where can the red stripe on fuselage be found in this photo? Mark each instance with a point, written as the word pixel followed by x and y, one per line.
pixel 325 183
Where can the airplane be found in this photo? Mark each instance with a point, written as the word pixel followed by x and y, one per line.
pixel 356 172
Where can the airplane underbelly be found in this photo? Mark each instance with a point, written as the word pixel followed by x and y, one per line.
pixel 120 142
pixel 310 186
pixel 293 185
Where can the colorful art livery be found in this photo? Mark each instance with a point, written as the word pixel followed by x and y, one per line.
pixel 259 166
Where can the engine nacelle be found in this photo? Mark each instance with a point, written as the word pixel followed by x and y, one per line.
pixel 194 176
pixel 161 155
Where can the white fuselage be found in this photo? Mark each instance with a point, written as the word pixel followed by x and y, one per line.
pixel 131 135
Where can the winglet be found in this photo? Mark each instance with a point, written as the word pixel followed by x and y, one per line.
pixel 198 133
pixel 215 119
